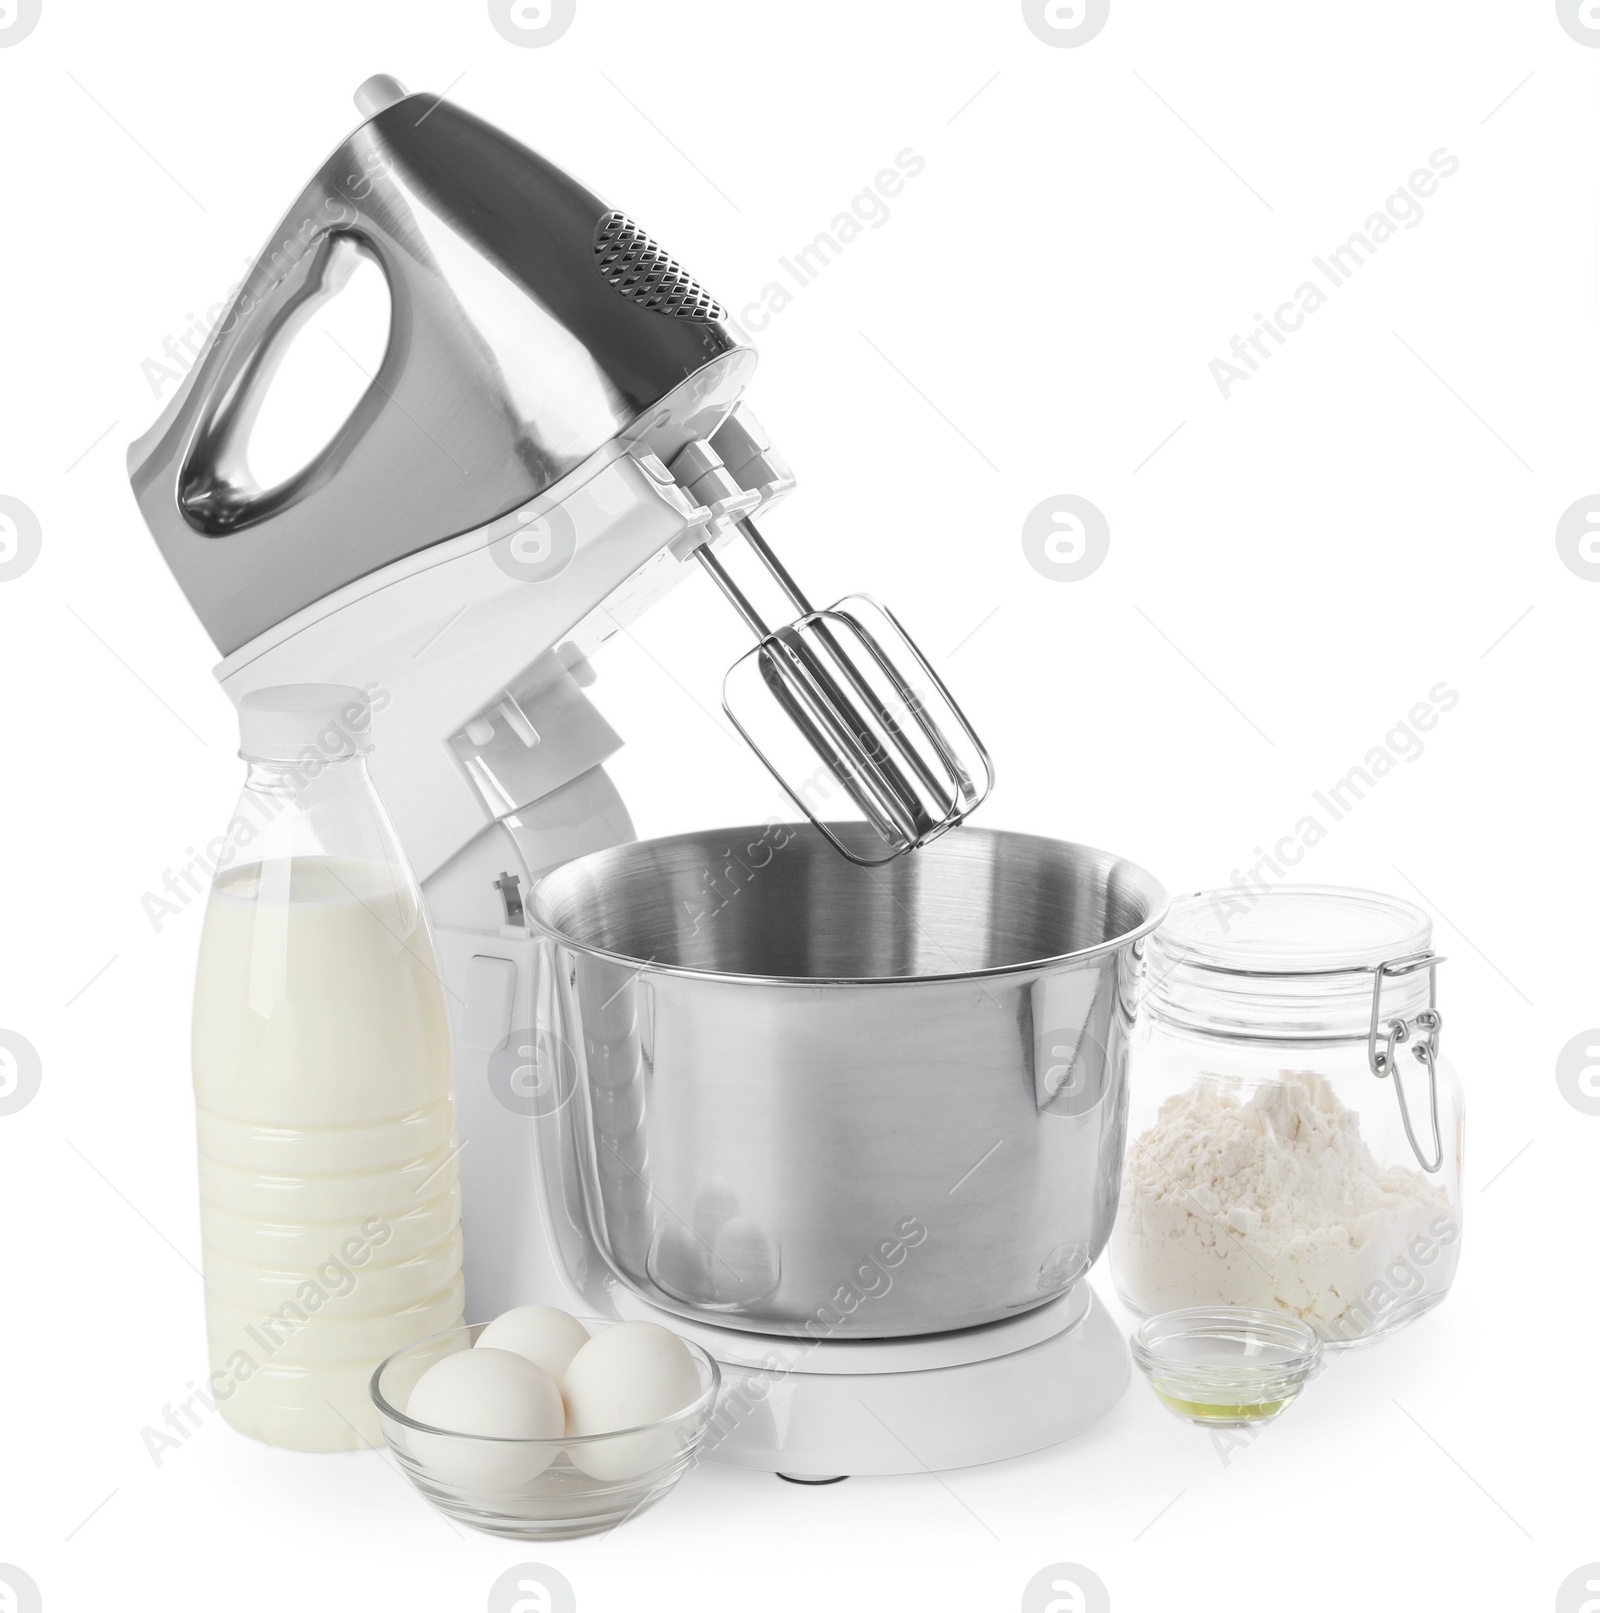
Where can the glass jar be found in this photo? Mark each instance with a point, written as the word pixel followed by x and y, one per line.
pixel 1295 1139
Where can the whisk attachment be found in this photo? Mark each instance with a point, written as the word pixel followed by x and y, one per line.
pixel 842 699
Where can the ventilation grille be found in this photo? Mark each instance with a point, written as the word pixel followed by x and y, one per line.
pixel 641 271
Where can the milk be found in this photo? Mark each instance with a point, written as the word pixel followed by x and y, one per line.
pixel 330 1209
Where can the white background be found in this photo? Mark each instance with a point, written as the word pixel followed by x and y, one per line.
pixel 1372 513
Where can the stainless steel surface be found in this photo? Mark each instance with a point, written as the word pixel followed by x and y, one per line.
pixel 809 692
pixel 837 1101
pixel 520 343
pixel 869 707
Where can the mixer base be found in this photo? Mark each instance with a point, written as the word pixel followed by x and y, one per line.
pixel 797 1421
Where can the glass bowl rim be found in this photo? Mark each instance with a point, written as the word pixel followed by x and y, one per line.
pixel 1155 1333
pixel 690 1413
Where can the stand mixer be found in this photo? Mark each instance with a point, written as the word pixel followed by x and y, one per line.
pixel 555 437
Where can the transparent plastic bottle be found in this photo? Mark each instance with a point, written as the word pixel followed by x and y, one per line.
pixel 330 1206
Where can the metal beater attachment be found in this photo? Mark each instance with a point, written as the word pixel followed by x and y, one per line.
pixel 864 712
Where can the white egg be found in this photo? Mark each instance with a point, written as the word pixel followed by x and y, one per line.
pixel 485 1392
pixel 630 1374
pixel 548 1337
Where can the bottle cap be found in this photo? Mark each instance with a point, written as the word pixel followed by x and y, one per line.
pixel 328 721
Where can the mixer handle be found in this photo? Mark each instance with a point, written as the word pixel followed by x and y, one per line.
pixel 216 490
pixel 360 502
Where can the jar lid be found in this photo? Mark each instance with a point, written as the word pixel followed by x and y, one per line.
pixel 1293 929
pixel 1296 961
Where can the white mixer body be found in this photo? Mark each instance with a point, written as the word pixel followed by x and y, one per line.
pixel 497 506
pixel 489 757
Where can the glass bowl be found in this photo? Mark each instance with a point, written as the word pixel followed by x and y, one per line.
pixel 1224 1366
pixel 537 1489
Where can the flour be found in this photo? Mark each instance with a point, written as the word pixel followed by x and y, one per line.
pixel 1268 1196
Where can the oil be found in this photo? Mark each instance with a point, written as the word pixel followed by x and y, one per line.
pixel 1223 1413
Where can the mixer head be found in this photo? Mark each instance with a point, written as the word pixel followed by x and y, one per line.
pixel 528 329
pixel 539 339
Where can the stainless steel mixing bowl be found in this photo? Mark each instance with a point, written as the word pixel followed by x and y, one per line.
pixel 839 1101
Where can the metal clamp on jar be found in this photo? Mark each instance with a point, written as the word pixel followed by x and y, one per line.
pixel 1383 1062
pixel 1267 1168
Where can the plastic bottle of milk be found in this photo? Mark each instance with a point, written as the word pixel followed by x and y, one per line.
pixel 330 1209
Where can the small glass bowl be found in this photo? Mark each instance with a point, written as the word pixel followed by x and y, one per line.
pixel 537 1489
pixel 1226 1367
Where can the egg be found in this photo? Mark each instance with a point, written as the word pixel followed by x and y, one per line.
pixel 548 1337
pixel 633 1373
pixel 485 1392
